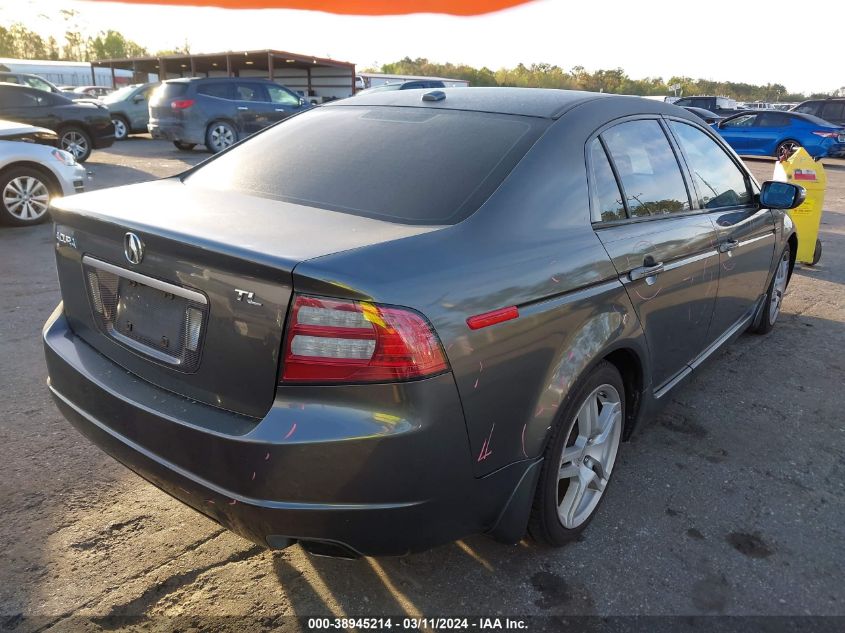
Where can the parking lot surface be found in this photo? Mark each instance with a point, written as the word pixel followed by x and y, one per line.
pixel 729 502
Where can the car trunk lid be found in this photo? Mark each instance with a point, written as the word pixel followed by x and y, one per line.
pixel 201 310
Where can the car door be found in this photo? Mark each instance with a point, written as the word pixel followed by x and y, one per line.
pixel 137 107
pixel 738 131
pixel 662 248
pixel 284 102
pixel 253 106
pixel 745 233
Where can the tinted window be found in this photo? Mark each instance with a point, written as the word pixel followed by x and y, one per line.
pixel 744 120
pixel 607 200
pixel 647 167
pixel 172 90
pixel 409 165
pixel 720 183
pixel 773 119
pixel 250 92
pixel 220 90
pixel 281 96
pixel 9 79
pixel 833 111
pixel 15 98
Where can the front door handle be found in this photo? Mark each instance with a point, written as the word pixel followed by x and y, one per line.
pixel 242 108
pixel 646 271
pixel 728 245
pixel 280 110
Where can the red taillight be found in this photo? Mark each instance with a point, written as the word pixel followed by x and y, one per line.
pixel 825 134
pixel 330 340
pixel 181 104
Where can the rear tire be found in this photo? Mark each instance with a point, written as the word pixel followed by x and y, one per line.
pixel 579 458
pixel 774 296
pixel 25 195
pixel 219 136
pixel 185 147
pixel 77 141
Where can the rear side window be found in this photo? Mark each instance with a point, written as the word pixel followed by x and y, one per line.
pixel 647 167
pixel 833 111
pixel 719 182
pixel 220 90
pixel 250 92
pixel 607 200
pixel 407 165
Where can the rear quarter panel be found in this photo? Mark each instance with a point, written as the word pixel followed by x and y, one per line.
pixel 530 245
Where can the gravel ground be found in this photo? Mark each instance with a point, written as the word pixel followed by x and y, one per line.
pixel 729 502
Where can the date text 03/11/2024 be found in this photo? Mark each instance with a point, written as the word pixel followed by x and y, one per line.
pixel 411 624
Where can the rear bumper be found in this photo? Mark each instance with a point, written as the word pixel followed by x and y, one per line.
pixel 177 131
pixel 378 470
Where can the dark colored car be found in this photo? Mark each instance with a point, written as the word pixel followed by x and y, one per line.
pixel 773 133
pixel 218 111
pixel 705 115
pixel 717 105
pixel 415 84
pixel 379 349
pixel 81 126
pixel 832 109
pixel 34 81
pixel 129 108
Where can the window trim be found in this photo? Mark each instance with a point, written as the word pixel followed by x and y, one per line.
pixel 682 168
pixel 749 182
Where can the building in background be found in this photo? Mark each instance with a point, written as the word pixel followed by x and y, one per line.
pixel 68 73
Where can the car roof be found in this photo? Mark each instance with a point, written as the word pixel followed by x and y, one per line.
pixel 185 80
pixel 535 102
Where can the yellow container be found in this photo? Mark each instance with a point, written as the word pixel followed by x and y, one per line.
pixel 801 169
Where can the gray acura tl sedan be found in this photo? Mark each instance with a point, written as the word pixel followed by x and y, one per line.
pixel 396 320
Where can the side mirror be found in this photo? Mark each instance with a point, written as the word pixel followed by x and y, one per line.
pixel 781 195
pixel 138 98
pixel 302 101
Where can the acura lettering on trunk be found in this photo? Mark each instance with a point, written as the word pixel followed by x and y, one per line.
pixel 396 320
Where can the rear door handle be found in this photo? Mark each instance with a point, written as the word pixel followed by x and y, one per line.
pixel 728 245
pixel 645 271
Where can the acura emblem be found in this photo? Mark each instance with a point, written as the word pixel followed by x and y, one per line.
pixel 133 248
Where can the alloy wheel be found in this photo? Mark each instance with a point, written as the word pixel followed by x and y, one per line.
pixel 119 129
pixel 588 458
pixel 75 143
pixel 26 198
pixel 779 287
pixel 222 136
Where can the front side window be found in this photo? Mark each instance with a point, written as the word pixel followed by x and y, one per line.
pixel 833 111
pixel 720 183
pixel 607 199
pixel 773 119
pixel 250 92
pixel 647 167
pixel 35 82
pixel 282 97
pixel 17 98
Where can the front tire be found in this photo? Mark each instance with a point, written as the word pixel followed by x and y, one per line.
pixel 77 141
pixel 774 296
pixel 24 197
pixel 121 127
pixel 579 458
pixel 219 136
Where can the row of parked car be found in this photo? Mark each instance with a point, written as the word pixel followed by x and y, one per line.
pixel 817 125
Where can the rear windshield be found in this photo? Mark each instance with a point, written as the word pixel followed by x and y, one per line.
pixel 171 90
pixel 406 165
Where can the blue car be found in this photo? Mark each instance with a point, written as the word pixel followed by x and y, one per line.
pixel 773 133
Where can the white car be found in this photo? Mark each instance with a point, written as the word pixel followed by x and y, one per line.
pixel 32 172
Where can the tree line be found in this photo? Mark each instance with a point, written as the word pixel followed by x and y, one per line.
pixel 578 78
pixel 20 42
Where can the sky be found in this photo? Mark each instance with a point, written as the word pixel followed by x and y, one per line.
pixel 656 38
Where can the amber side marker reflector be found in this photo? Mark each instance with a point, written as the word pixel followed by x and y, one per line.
pixel 491 318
